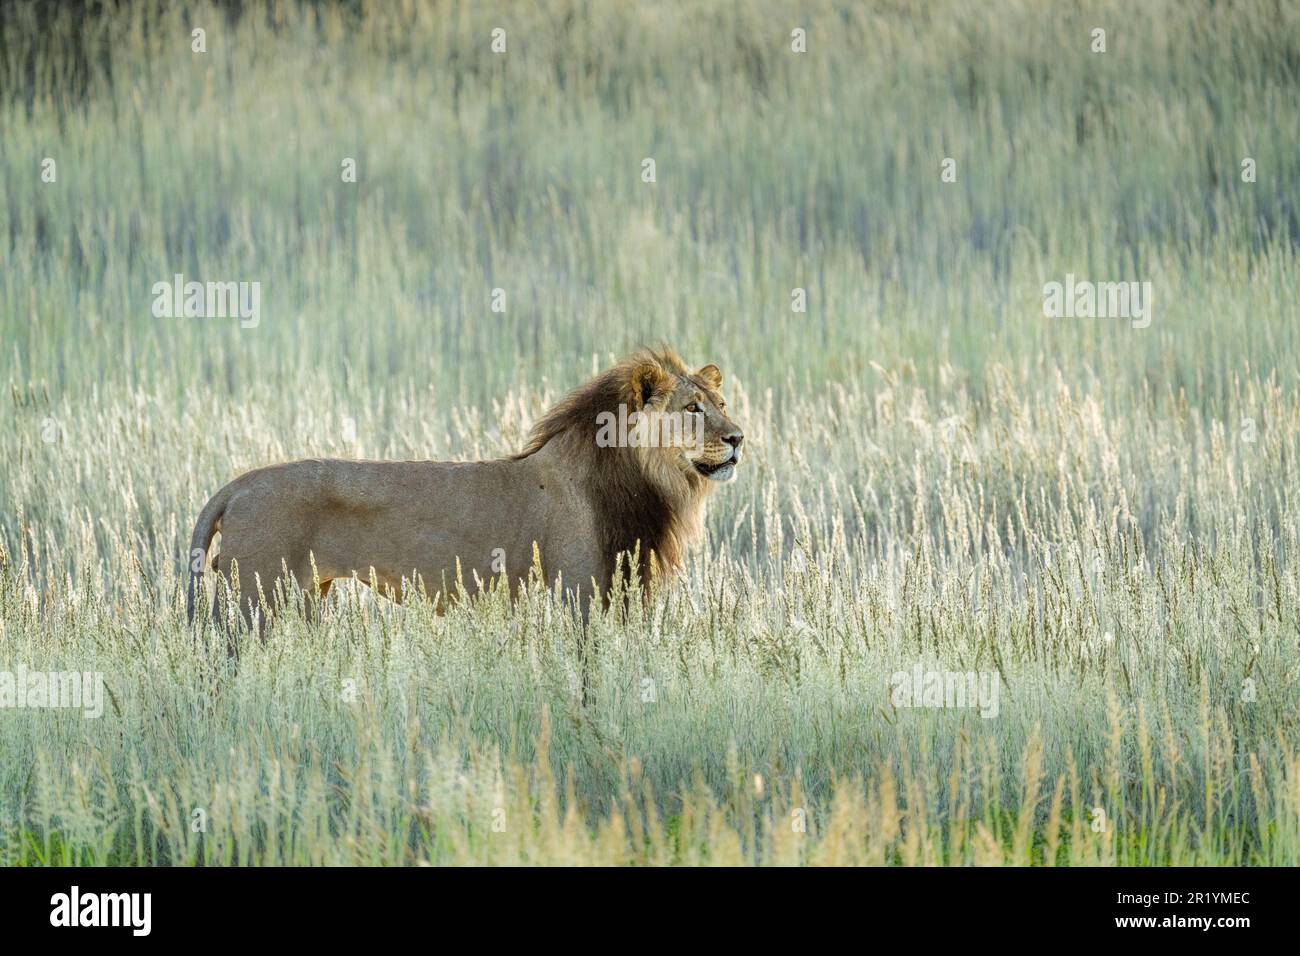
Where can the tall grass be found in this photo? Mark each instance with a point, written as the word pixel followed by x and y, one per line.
pixel 1103 515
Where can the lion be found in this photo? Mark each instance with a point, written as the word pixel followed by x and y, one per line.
pixel 592 484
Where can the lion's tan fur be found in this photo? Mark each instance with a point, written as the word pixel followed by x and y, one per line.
pixel 394 523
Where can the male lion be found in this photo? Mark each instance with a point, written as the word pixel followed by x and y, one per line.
pixel 581 491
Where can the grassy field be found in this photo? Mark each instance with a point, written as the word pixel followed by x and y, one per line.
pixel 1102 514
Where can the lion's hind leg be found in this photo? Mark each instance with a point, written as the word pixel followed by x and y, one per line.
pixel 316 601
pixel 243 591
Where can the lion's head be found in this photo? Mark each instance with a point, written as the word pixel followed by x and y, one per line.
pixel 681 420
pixel 652 439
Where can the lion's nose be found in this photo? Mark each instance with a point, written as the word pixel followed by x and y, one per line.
pixel 734 439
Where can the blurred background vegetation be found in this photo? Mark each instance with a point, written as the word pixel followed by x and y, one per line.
pixel 521 171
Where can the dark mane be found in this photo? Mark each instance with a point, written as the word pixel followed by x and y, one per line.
pixel 630 507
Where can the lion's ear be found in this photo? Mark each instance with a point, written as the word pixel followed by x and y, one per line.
pixel 711 376
pixel 650 384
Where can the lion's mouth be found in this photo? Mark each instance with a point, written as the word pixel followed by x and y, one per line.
pixel 723 470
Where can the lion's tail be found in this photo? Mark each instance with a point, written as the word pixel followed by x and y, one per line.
pixel 205 528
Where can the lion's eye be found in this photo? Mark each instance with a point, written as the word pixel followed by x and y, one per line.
pixel 693 408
